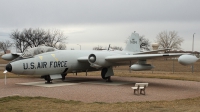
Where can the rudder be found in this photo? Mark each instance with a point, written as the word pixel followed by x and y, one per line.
pixel 133 43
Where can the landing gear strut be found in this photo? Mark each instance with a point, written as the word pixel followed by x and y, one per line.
pixel 47 78
pixel 103 75
pixel 63 76
pixel 108 79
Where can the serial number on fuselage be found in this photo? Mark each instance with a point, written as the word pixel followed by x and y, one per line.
pixel 39 65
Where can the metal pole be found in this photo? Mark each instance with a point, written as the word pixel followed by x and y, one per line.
pixel 5 78
pixel 193 44
pixel 79 46
pixel 130 67
pixel 152 64
pixel 173 65
pixel 193 52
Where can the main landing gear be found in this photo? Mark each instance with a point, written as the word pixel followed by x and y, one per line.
pixel 104 72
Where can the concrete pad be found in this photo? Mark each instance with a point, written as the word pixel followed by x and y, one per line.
pixel 93 89
pixel 42 84
pixel 116 83
pixel 68 83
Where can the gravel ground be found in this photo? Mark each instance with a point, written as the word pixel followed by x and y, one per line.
pixel 158 89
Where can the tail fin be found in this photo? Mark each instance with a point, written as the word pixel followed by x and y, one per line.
pixel 133 43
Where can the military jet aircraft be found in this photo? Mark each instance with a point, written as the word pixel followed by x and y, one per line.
pixel 51 64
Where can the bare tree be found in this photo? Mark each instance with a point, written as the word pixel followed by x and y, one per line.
pixel 55 37
pixel 19 42
pixel 61 46
pixel 29 38
pixel 98 48
pixel 104 48
pixel 34 37
pixel 144 43
pixel 117 48
pixel 169 40
pixel 5 45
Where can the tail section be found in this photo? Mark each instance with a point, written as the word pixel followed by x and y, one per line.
pixel 133 43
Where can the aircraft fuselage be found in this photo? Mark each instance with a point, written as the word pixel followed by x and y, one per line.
pixel 56 62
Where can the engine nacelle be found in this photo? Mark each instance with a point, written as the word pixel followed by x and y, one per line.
pixel 139 67
pixel 187 59
pixel 97 59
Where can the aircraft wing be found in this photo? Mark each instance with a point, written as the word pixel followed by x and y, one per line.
pixel 101 59
pixel 140 56
pixel 116 58
pixel 153 51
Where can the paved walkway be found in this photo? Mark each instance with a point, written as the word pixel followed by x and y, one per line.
pixel 94 89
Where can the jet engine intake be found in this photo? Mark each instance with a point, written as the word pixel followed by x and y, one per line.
pixel 187 59
pixel 97 60
pixel 139 67
pixel 92 58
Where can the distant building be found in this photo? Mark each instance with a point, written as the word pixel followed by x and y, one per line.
pixel 8 51
pixel 197 54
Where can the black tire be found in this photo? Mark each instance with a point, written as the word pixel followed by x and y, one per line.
pixel 48 79
pixel 63 76
pixel 103 73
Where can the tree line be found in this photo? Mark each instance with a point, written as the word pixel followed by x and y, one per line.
pixel 164 39
pixel 29 38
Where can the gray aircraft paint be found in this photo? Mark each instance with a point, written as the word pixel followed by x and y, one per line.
pixel 57 62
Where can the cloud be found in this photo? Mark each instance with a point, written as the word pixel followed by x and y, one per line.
pixel 102 21
pixel 52 12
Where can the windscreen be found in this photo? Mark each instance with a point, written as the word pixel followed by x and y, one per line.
pixel 36 50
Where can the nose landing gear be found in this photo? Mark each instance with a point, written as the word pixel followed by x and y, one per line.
pixel 47 78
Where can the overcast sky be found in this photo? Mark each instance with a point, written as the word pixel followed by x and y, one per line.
pixel 90 23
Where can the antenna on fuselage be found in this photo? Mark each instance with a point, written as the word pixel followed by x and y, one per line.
pixel 109 47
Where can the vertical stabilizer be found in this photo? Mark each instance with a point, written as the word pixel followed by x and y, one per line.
pixel 133 43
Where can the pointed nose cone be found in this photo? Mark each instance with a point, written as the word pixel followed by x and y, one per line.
pixel 9 67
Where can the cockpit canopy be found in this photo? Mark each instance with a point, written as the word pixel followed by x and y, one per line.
pixel 36 50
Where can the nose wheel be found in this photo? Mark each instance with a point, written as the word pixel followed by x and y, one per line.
pixel 63 76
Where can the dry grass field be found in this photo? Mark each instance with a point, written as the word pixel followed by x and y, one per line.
pixel 164 69
pixel 41 104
